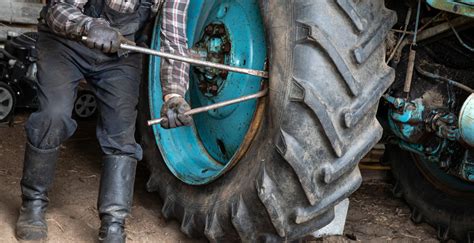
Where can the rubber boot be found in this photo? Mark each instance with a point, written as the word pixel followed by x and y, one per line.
pixel 115 197
pixel 38 174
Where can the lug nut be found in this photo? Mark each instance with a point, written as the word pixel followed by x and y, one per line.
pixel 213 90
pixel 221 29
pixel 226 47
pixel 210 29
pixel 203 87
pixel 224 74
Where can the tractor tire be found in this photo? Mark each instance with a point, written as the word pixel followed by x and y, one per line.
pixel 445 205
pixel 327 74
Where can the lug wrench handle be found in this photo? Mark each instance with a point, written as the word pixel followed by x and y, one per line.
pixel 215 106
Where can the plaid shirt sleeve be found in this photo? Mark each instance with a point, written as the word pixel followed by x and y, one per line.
pixel 174 74
pixel 66 18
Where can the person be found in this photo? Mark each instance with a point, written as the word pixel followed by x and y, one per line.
pixel 65 58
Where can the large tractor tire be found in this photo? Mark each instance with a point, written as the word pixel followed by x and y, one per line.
pixel 445 204
pixel 327 74
pixel 443 201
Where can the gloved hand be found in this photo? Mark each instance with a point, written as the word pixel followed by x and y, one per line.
pixel 173 111
pixel 103 37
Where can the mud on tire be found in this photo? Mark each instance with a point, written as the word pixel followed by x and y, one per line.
pixel 327 74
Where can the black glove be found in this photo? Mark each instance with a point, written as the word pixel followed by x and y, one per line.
pixel 173 111
pixel 104 38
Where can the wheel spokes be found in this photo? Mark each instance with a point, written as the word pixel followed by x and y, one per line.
pixel 4 96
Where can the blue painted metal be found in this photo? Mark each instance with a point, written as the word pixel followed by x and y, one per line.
pixel 198 155
pixel 406 118
pixel 466 121
pixel 411 122
pixel 430 153
pixel 461 7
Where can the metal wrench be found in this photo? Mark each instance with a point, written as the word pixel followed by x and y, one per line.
pixel 197 62
pixel 216 106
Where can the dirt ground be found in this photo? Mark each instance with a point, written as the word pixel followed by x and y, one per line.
pixel 374 214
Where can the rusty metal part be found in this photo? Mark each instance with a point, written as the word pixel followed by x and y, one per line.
pixel 418 11
pixel 407 21
pixel 412 55
pixel 216 105
pixel 443 79
pixel 214 46
pixel 459 37
pixel 443 27
pixel 434 31
pixel 409 74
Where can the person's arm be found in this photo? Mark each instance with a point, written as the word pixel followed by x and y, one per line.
pixel 66 18
pixel 174 74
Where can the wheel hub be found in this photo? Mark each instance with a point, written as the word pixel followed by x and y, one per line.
pixel 214 46
pixel 86 105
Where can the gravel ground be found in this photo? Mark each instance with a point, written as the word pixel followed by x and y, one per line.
pixel 374 214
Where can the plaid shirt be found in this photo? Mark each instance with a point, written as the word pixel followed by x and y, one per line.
pixel 66 18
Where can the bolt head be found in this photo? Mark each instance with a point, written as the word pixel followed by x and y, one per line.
pixel 213 89
pixel 221 29
pixel 226 47
pixel 224 74
pixel 210 29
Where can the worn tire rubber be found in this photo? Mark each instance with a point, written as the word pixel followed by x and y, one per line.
pixel 327 74
pixel 450 213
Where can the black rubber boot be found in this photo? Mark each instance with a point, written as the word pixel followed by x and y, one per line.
pixel 38 174
pixel 115 196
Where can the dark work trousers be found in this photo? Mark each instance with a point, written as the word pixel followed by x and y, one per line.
pixel 62 64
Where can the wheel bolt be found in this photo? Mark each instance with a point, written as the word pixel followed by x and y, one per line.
pixel 224 74
pixel 214 89
pixel 221 29
pixel 210 29
pixel 203 87
pixel 226 47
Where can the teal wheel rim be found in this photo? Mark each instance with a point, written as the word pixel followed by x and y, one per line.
pixel 199 154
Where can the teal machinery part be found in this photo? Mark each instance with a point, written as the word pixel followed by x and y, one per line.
pixel 406 118
pixel 230 32
pixel 411 120
pixel 461 7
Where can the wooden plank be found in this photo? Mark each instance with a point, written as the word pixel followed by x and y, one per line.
pixel 19 12
pixel 4 30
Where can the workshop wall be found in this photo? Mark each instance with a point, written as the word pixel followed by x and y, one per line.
pixel 18 16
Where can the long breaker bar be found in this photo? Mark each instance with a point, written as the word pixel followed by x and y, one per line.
pixel 197 62
pixel 216 105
